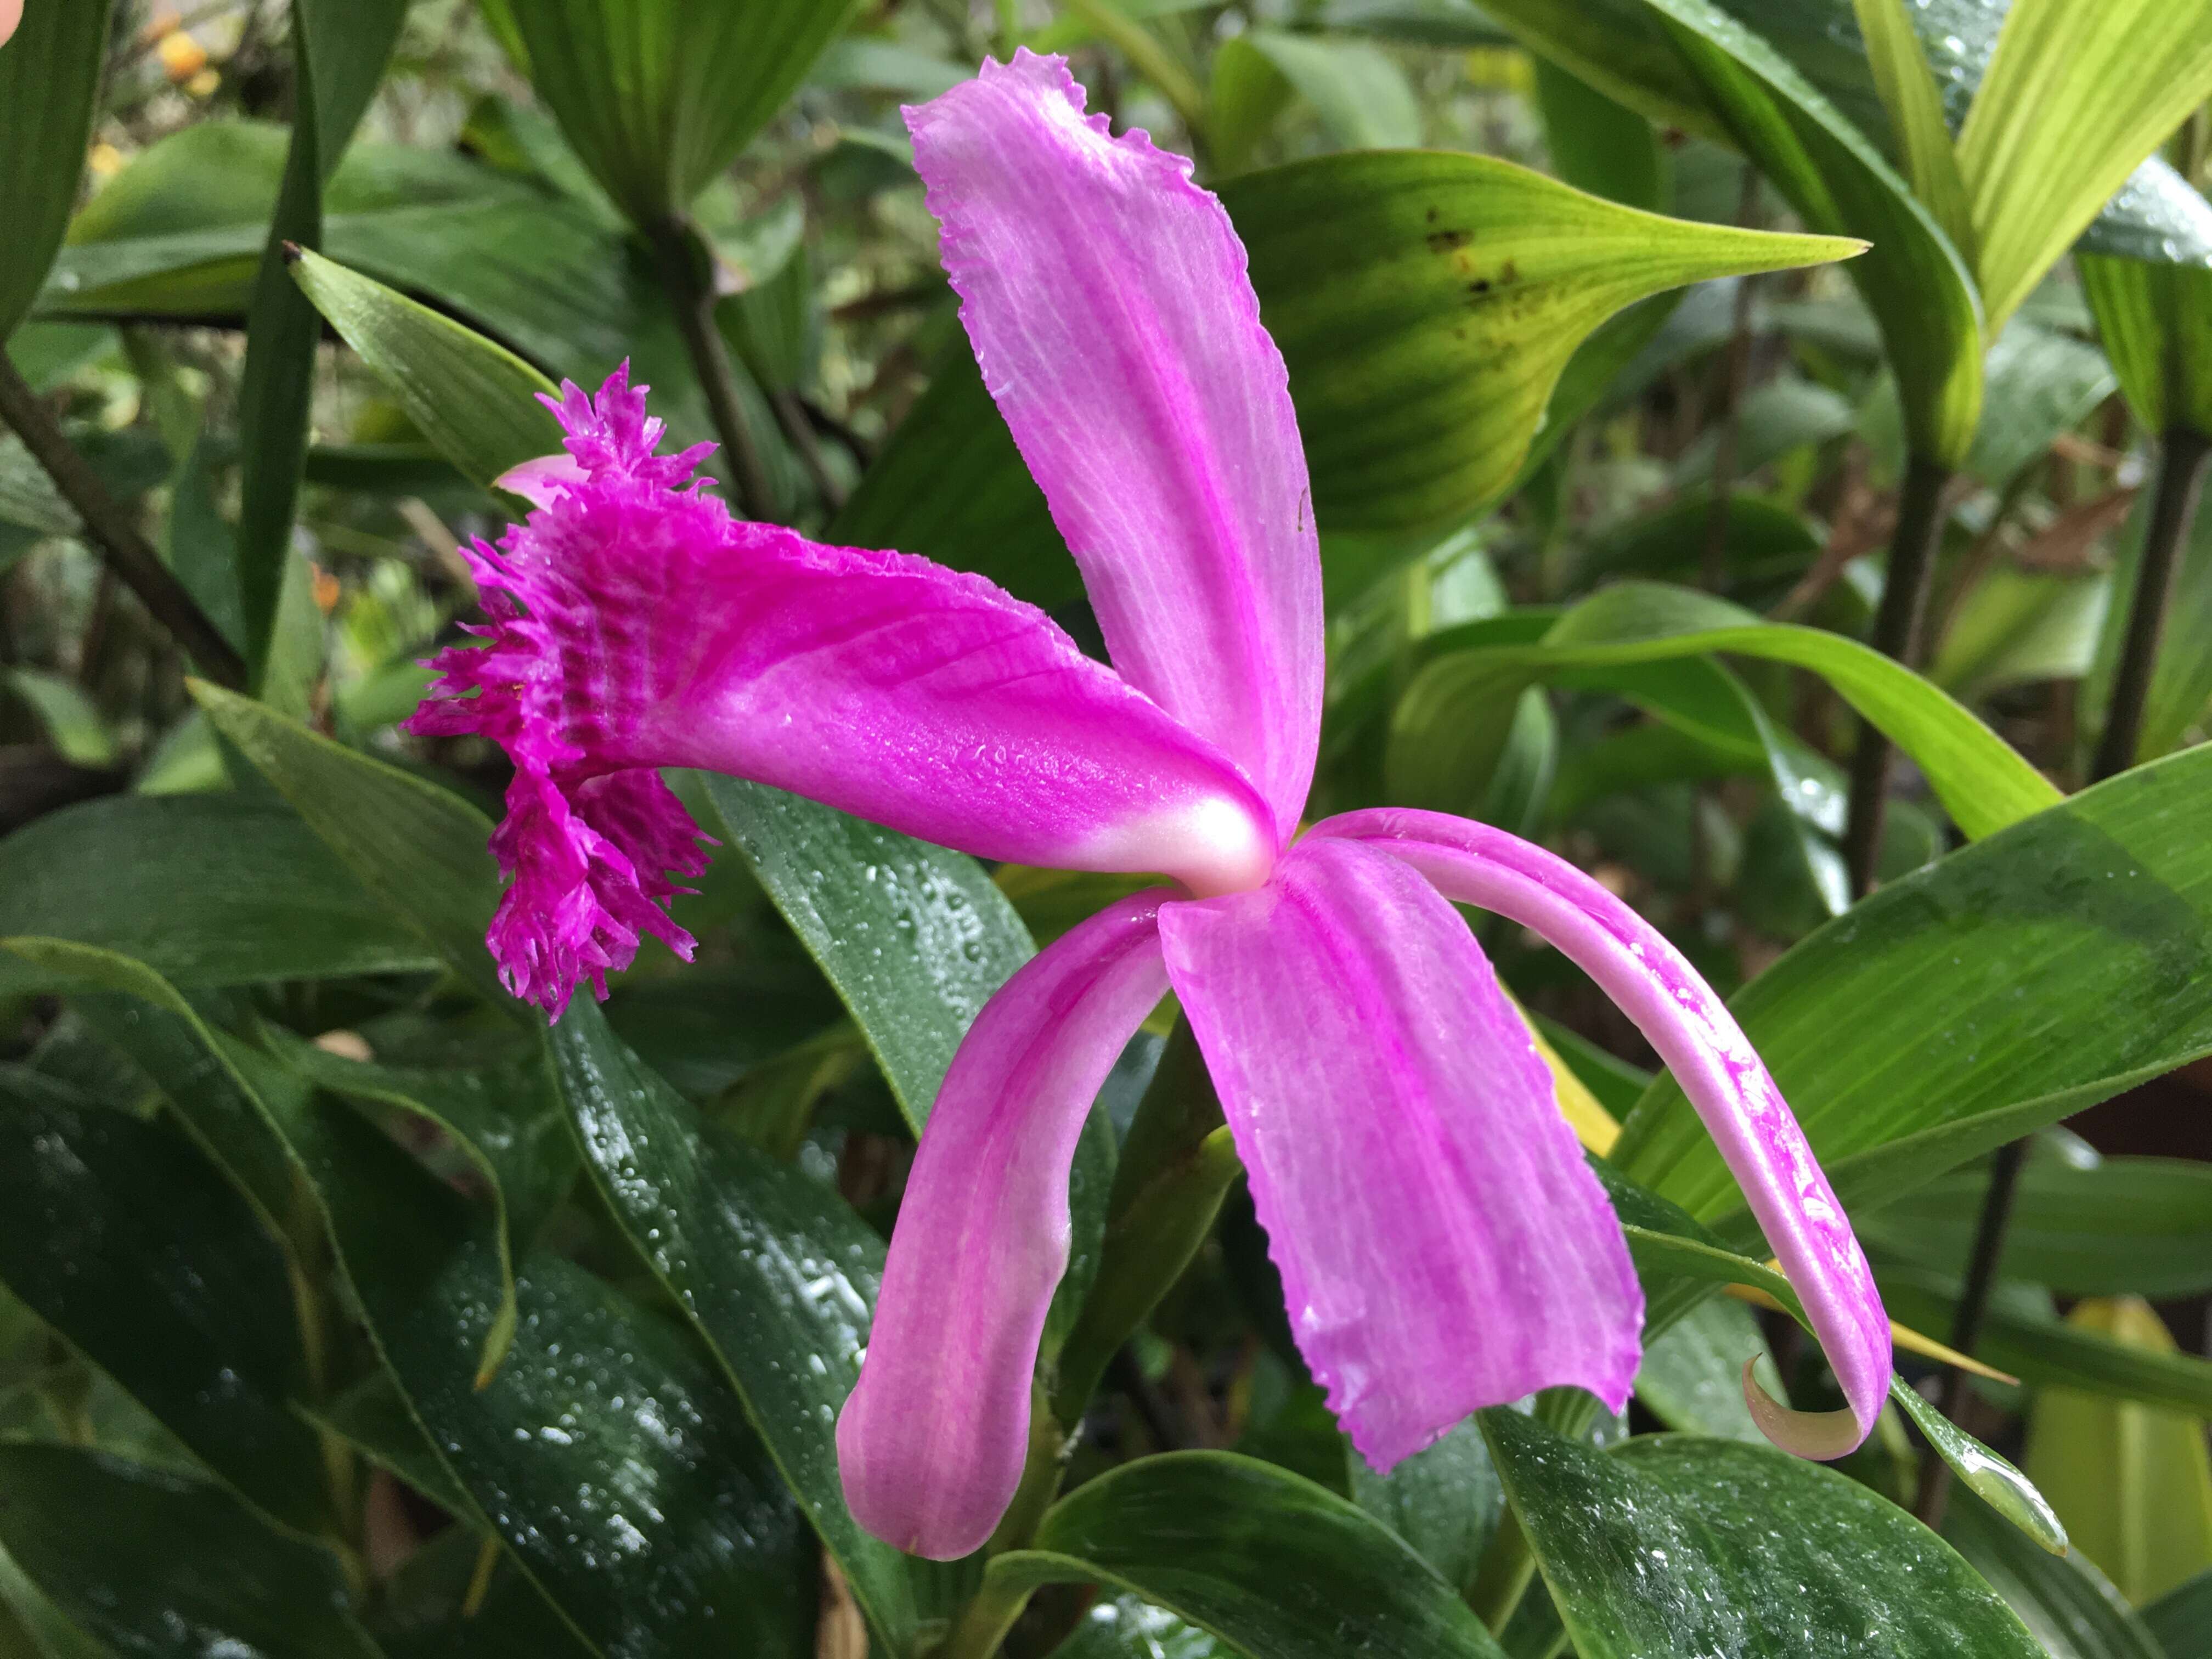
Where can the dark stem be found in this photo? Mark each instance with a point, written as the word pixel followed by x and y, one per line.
pixel 790 414
pixel 1973 1308
pixel 691 288
pixel 114 534
pixel 2173 510
pixel 1899 624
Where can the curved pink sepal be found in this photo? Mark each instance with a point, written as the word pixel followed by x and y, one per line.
pixel 1442 1245
pixel 1702 1045
pixel 1107 299
pixel 931 1441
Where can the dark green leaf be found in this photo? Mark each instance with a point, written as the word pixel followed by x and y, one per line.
pixel 1277 1567
pixel 915 937
pixel 2123 1224
pixel 1130 1628
pixel 2069 1608
pixel 2181 1620
pixel 2016 980
pixel 50 71
pixel 339 49
pixel 1692 1376
pixel 419 849
pixel 211 889
pixel 1444 1501
pixel 1677 1544
pixel 474 399
pixel 1598 145
pixel 123 1239
pixel 658 96
pixel 159 1564
pixel 774 1270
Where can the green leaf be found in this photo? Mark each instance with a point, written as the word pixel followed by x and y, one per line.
pixel 2011 983
pixel 1677 1544
pixel 1916 125
pixel 2181 1620
pixel 1360 94
pixel 1426 303
pixel 2007 1491
pixel 2021 1337
pixel 2069 1607
pixel 2133 1484
pixel 72 724
pixel 1695 64
pixel 951 486
pixel 49 72
pixel 339 48
pixel 1598 145
pixel 656 1524
pixel 2018 627
pixel 1444 1501
pixel 508 1121
pixel 2118 1226
pixel 1130 1628
pixel 123 1238
pixel 658 96
pixel 2181 678
pixel 419 849
pixel 772 1268
pixel 211 889
pixel 2063 114
pixel 2156 322
pixel 475 400
pixel 2041 384
pixel 158 1563
pixel 1981 781
pixel 1692 1377
pixel 1245 97
pixel 915 937
pixel 1275 1566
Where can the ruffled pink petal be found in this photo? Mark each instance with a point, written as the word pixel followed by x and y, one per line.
pixel 1442 1245
pixel 632 622
pixel 931 1441
pixel 1107 299
pixel 1702 1045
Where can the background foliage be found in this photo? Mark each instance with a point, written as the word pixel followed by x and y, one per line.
pixel 343 1310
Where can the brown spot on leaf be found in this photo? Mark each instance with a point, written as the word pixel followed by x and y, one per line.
pixel 1443 241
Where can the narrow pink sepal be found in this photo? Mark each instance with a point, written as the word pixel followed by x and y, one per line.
pixel 1107 299
pixel 1442 1243
pixel 539 482
pixel 931 1441
pixel 1702 1045
pixel 632 622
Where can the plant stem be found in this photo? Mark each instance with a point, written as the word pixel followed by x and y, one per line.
pixel 2184 453
pixel 1973 1308
pixel 690 284
pixel 115 535
pixel 1897 627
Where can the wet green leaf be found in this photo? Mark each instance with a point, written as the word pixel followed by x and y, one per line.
pixel 2071 1608
pixel 122 1237
pixel 773 1267
pixel 157 1562
pixel 212 889
pixel 1681 1544
pixel 1275 1566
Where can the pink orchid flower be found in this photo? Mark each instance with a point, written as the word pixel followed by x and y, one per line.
pixel 1443 1244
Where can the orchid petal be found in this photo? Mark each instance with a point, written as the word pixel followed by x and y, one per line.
pixel 539 482
pixel 931 1441
pixel 1107 299
pixel 1708 1055
pixel 1442 1245
pixel 634 622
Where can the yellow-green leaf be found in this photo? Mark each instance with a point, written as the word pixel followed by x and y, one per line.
pixel 2132 1483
